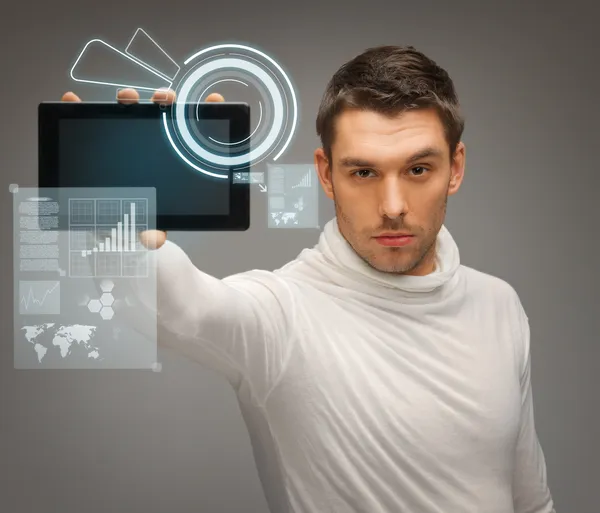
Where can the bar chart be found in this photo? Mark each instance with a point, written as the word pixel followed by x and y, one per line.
pixel 104 236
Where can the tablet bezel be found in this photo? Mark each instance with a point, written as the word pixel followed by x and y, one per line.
pixel 238 114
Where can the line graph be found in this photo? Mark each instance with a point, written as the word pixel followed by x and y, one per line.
pixel 39 297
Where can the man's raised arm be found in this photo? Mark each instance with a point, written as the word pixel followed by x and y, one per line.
pixel 241 326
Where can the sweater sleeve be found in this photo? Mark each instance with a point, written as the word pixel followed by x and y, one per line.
pixel 530 488
pixel 239 326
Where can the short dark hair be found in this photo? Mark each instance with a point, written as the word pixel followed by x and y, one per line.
pixel 390 80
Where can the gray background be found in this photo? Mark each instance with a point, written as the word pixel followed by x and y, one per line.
pixel 175 441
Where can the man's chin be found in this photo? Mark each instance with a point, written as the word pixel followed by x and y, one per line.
pixel 392 267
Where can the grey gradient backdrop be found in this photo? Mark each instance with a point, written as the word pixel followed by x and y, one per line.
pixel 174 441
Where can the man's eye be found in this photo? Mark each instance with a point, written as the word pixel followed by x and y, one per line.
pixel 362 173
pixel 422 169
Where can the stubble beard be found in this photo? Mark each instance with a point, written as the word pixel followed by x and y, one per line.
pixel 370 257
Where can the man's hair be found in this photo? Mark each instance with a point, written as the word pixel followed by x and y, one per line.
pixel 390 80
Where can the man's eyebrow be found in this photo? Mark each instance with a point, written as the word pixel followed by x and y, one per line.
pixel 429 151
pixel 354 162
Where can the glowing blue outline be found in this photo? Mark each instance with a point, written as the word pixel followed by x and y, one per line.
pixel 271 137
pixel 159 47
pixel 182 156
pixel 243 140
pixel 222 80
pixel 243 47
pixel 135 61
pixel 201 95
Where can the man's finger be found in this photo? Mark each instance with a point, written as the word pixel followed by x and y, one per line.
pixel 164 96
pixel 128 96
pixel 70 97
pixel 214 97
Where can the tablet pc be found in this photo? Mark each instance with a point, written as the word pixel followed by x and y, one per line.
pixel 109 144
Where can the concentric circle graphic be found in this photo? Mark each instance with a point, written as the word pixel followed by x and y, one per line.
pixel 273 107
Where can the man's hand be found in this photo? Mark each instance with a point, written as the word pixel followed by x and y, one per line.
pixel 151 239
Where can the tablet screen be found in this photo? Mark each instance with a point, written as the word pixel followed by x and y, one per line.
pixel 112 145
pixel 126 152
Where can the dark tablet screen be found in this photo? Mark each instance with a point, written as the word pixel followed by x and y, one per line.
pixel 111 145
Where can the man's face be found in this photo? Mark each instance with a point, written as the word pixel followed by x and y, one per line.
pixel 391 175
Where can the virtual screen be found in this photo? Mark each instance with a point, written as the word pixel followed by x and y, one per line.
pixel 137 153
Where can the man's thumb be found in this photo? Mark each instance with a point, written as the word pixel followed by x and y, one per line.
pixel 153 239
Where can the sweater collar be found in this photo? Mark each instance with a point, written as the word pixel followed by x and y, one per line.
pixel 335 261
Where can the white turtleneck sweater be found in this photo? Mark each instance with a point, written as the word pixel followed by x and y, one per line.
pixel 369 392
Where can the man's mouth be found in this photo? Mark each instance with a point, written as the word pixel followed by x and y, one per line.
pixel 394 239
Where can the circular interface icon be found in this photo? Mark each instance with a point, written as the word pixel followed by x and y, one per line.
pixel 241 74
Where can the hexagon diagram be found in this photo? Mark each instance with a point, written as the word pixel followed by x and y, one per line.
pixel 104 305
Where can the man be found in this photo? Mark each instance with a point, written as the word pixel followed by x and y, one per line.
pixel 374 372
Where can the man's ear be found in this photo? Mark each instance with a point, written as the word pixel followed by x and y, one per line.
pixel 457 170
pixel 323 168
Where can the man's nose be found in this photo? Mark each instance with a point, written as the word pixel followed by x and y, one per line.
pixel 392 201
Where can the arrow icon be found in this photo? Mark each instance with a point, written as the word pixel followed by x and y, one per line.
pixel 262 187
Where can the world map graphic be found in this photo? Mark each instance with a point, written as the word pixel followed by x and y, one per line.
pixel 62 339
